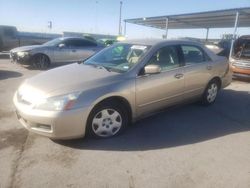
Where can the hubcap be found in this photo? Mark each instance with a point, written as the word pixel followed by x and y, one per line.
pixel 212 92
pixel 107 123
pixel 41 62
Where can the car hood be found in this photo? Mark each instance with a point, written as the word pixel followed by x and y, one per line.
pixel 26 48
pixel 67 79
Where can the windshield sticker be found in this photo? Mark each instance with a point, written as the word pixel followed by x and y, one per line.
pixel 138 47
pixel 125 67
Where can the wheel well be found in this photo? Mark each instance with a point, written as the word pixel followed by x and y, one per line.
pixel 119 100
pixel 35 55
pixel 218 80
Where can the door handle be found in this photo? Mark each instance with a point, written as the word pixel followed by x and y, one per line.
pixel 178 76
pixel 209 67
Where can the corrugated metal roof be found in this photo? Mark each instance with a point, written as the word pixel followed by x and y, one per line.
pixel 209 19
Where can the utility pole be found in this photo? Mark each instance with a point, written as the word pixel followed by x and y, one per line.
pixel 96 16
pixel 50 25
pixel 120 20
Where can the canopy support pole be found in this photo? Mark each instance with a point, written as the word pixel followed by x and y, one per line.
pixel 125 27
pixel 234 34
pixel 120 20
pixel 166 29
pixel 207 34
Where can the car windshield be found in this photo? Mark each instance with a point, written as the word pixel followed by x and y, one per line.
pixel 119 57
pixel 54 42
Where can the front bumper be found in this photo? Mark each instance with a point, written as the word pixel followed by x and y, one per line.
pixel 53 124
pixel 25 60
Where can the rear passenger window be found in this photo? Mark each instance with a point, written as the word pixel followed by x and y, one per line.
pixel 86 43
pixel 80 43
pixel 194 55
pixel 71 43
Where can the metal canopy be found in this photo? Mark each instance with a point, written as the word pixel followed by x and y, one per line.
pixel 211 19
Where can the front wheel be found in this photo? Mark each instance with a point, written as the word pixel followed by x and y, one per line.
pixel 41 61
pixel 210 93
pixel 107 120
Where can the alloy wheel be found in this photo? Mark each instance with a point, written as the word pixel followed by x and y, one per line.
pixel 41 62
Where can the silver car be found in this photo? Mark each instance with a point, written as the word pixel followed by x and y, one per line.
pixel 119 85
pixel 67 49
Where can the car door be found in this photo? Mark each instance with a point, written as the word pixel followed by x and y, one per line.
pixel 198 70
pixel 86 48
pixel 156 91
pixel 66 51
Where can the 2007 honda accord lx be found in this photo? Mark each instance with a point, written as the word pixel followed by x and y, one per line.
pixel 118 85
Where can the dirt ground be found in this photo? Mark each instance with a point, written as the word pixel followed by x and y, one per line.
pixel 186 146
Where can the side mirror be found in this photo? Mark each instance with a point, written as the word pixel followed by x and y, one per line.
pixel 61 45
pixel 152 69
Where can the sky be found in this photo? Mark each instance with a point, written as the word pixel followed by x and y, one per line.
pixel 102 16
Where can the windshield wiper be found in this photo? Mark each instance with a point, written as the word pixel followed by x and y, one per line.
pixel 99 66
pixel 103 67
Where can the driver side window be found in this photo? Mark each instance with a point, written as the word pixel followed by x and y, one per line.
pixel 167 58
pixel 70 43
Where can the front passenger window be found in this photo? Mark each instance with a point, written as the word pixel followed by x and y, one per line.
pixel 167 58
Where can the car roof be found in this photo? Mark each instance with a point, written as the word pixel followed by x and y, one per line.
pixel 77 38
pixel 153 42
pixel 245 37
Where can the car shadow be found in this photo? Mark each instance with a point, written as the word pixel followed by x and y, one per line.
pixel 5 74
pixel 178 126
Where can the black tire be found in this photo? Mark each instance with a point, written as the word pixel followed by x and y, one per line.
pixel 41 61
pixel 97 111
pixel 210 93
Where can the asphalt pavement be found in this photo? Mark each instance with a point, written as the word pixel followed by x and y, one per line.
pixel 185 146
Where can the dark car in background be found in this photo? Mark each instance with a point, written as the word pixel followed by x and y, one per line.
pixel 65 49
pixel 11 38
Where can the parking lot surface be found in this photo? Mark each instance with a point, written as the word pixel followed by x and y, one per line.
pixel 185 146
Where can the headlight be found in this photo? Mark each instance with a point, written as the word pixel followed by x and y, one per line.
pixel 58 103
pixel 22 54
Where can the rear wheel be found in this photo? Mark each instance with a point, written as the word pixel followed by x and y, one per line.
pixel 41 61
pixel 210 93
pixel 107 120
